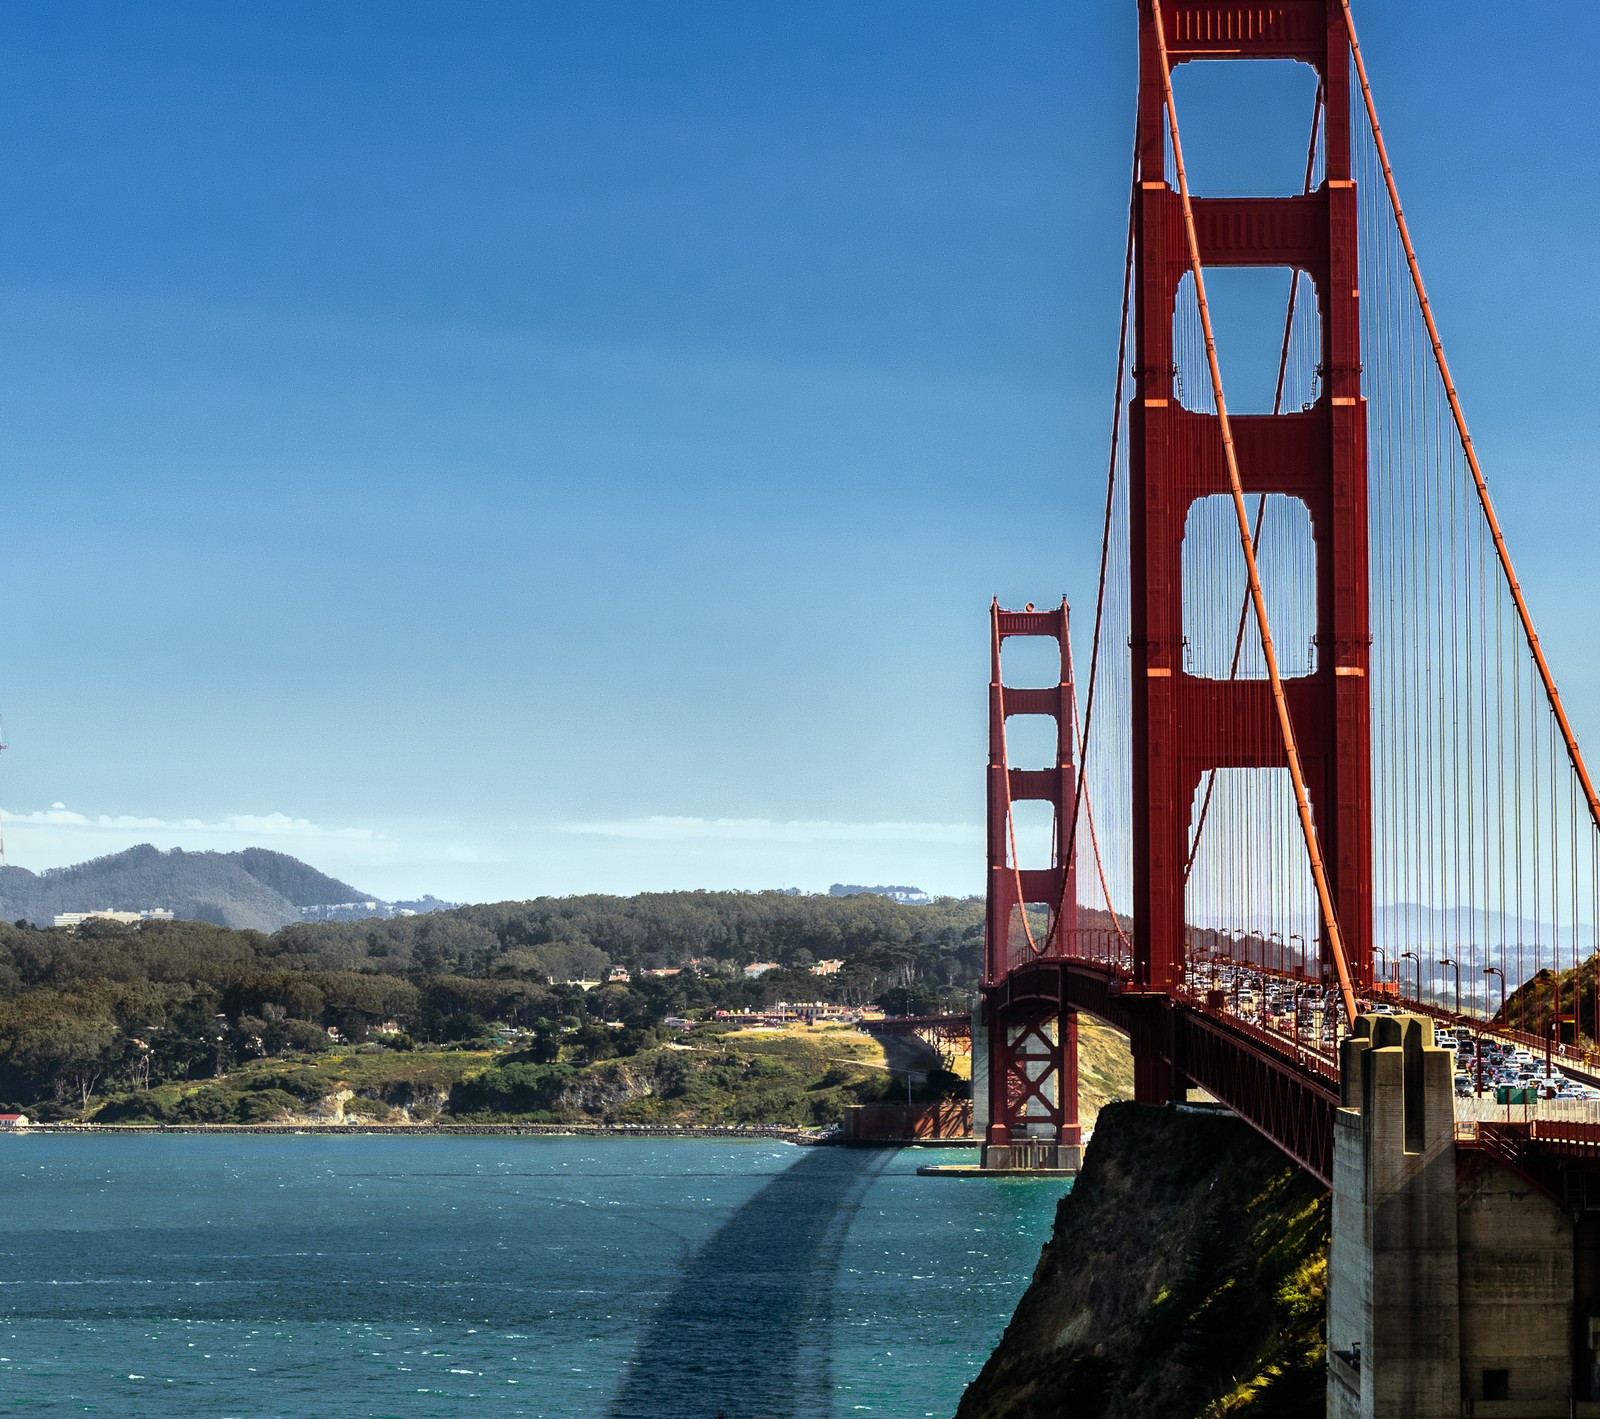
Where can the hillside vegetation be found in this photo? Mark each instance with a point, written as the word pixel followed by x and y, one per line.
pixel 135 1018
pixel 1105 1068
pixel 799 1079
pixel 1532 1005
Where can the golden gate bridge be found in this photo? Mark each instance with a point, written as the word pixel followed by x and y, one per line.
pixel 1319 765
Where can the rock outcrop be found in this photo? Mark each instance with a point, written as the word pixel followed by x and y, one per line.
pixel 1185 1279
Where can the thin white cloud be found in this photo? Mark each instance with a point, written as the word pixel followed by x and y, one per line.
pixel 664 829
pixel 250 825
pixel 401 860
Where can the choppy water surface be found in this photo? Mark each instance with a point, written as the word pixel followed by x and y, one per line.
pixel 311 1277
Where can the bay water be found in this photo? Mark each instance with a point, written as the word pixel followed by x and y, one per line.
pixel 384 1277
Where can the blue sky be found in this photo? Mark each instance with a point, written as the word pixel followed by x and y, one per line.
pixel 512 449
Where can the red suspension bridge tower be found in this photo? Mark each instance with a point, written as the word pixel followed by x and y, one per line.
pixel 1190 724
pixel 1032 1049
pixel 1184 725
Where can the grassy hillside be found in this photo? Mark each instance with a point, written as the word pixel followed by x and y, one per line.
pixel 803 1077
pixel 1105 1069
pixel 798 1078
pixel 1532 1005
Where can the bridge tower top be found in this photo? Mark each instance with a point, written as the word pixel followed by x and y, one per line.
pixel 1010 938
pixel 1190 722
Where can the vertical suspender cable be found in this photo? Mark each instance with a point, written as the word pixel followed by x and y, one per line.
pixel 1261 505
pixel 1082 795
pixel 1569 738
pixel 1080 790
pixel 1308 825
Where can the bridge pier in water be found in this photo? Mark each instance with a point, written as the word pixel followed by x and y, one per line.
pixel 1030 1118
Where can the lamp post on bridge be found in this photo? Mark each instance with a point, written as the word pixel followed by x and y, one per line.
pixel 1523 978
pixel 1492 971
pixel 1296 936
pixel 1496 971
pixel 1455 966
pixel 1382 955
pixel 1412 956
pixel 1555 1021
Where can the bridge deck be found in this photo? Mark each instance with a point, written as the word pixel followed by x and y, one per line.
pixel 1285 1082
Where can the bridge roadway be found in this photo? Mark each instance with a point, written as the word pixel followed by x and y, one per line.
pixel 1283 1085
pixel 1287 1086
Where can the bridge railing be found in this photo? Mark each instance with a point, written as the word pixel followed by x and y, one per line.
pixel 1534 1147
pixel 1089 946
pixel 1575 1112
pixel 915 1024
pixel 1298 1050
pixel 1099 943
pixel 1533 1135
pixel 1567 1137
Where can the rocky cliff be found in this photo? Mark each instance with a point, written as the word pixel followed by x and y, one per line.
pixel 1184 1280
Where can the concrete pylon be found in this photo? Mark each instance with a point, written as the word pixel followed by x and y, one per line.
pixel 980 1073
pixel 1393 1265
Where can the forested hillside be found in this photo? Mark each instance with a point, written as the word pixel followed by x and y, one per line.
pixel 108 1012
pixel 254 889
pixel 296 882
pixel 1574 994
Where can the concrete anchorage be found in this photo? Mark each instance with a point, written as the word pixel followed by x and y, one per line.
pixel 1455 1285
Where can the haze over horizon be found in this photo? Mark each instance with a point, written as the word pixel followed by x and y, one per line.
pixel 531 450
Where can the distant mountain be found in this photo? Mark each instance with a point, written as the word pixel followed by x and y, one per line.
pixel 290 878
pixel 1407 923
pixel 254 888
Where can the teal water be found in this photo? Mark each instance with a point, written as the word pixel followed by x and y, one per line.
pixel 271 1277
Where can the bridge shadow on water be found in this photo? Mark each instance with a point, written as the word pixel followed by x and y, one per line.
pixel 745 1330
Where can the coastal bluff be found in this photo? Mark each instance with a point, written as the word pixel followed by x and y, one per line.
pixel 1185 1277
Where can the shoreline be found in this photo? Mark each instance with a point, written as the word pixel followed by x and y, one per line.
pixel 799 1136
